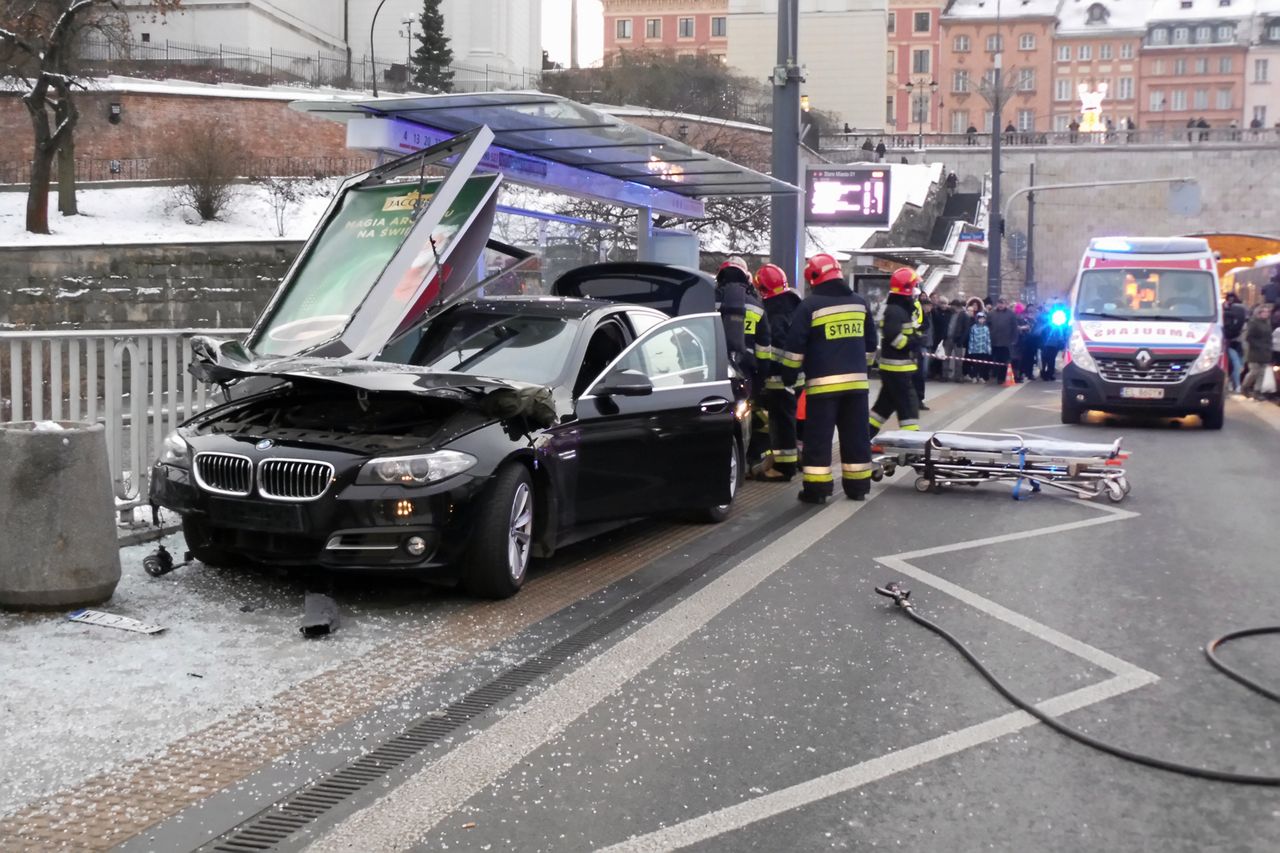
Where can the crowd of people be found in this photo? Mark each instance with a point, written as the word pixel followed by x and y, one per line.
pixel 1253 342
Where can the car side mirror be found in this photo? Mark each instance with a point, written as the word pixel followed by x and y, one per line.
pixel 625 383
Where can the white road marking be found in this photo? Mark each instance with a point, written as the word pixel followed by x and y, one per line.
pixel 735 817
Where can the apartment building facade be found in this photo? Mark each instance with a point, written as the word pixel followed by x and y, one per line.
pixel 1262 68
pixel 1193 63
pixel 1097 52
pixel 684 27
pixel 973 32
pixel 913 29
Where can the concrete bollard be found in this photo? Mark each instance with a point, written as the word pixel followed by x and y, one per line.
pixel 57 516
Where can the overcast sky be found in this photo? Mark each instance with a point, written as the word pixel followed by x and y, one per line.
pixel 555 31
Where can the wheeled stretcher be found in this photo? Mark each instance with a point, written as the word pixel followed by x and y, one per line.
pixel 944 459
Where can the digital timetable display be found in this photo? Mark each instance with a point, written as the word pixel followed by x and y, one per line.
pixel 858 196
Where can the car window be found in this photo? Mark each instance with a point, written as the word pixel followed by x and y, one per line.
pixel 643 321
pixel 484 342
pixel 607 343
pixel 679 352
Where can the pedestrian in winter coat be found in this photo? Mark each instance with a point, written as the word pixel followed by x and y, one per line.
pixel 980 347
pixel 880 151
pixel 956 343
pixel 1004 334
pixel 1234 318
pixel 1257 345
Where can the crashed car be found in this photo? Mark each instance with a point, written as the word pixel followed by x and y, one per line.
pixel 423 426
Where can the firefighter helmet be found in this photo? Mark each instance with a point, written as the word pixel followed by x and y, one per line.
pixel 822 268
pixel 728 268
pixel 904 282
pixel 770 281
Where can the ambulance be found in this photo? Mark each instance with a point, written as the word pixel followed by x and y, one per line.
pixel 1146 331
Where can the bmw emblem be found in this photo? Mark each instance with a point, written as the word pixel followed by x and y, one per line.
pixel 265 444
pixel 1144 359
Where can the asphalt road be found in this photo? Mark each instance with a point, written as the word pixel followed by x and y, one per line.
pixel 772 702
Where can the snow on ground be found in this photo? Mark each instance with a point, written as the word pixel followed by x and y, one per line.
pixel 150 215
pixel 79 699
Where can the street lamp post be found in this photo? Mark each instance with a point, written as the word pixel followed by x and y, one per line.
pixel 373 61
pixel 919 104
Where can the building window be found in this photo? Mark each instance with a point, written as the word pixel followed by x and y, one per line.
pixel 1155 100
pixel 719 27
pixel 989 119
pixel 1026 120
pixel 1160 36
pixel 1225 33
pixel 1181 35
pixel 1104 51
pixel 1062 89
pixel 960 44
pixel 960 81
pixel 1224 99
pixel 1260 69
pixel 1178 100
pixel 891 23
pixel 989 78
pixel 1260 116
pixel 892 64
pixel 1124 92
pixel 1203 34
pixel 623 28
pixel 1200 99
pixel 919 109
pixel 1126 51
pixel 1097 14
pixel 1273 32
pixel 1027 80
pixel 995 44
pixel 1085 52
pixel 1157 68
pixel 889 118
pixel 1064 53
pixel 1202 65
pixel 959 121
pixel 1026 41
pixel 1179 68
pixel 920 63
pixel 686 28
pixel 1224 65
pixel 653 28
pixel 922 22
pixel 146 38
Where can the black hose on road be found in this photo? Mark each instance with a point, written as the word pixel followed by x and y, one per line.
pixel 902 597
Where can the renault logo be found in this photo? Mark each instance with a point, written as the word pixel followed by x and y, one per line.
pixel 1144 359
pixel 265 444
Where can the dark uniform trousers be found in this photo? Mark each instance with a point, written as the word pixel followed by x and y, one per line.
pixel 897 395
pixel 843 412
pixel 780 403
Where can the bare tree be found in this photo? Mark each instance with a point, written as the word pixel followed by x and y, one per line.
pixel 206 158
pixel 37 49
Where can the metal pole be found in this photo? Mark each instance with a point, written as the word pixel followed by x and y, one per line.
pixel 373 63
pixel 785 245
pixel 996 224
pixel 1029 284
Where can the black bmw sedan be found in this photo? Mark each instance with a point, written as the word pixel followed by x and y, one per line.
pixel 501 429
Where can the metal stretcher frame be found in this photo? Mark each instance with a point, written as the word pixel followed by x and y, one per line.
pixel 940 463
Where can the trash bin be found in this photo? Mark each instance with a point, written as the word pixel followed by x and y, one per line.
pixel 57 516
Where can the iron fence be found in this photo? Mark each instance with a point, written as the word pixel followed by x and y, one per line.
pixel 164 169
pixel 1164 136
pixel 134 382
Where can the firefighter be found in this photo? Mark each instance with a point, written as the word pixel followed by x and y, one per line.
pixel 830 336
pixel 780 303
pixel 750 347
pixel 900 349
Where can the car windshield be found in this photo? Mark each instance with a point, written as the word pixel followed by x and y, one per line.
pixel 1141 293
pixel 502 345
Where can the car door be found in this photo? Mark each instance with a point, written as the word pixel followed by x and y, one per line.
pixel 656 429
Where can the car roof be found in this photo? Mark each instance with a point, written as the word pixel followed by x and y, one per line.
pixel 1150 245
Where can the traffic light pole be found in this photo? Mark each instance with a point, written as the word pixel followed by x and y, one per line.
pixel 785 236
pixel 995 216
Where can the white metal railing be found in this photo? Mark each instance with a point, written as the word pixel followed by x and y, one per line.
pixel 133 381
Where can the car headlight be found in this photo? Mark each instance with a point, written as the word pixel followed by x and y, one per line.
pixel 416 470
pixel 175 450
pixel 1211 356
pixel 1079 353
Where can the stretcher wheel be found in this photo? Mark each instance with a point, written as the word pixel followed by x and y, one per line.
pixel 1115 492
pixel 890 470
pixel 877 474
pixel 1124 484
pixel 923 484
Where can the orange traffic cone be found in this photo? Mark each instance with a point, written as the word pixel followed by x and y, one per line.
pixel 1008 375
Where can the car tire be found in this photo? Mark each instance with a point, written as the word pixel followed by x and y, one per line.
pixel 196 534
pixel 1071 411
pixel 717 514
pixel 1215 416
pixel 501 546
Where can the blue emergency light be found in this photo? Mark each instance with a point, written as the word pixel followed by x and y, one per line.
pixel 1112 244
pixel 1058 317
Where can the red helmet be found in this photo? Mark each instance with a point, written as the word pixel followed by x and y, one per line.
pixel 770 280
pixel 734 262
pixel 904 282
pixel 822 268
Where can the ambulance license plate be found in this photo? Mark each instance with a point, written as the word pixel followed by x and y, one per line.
pixel 1143 393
